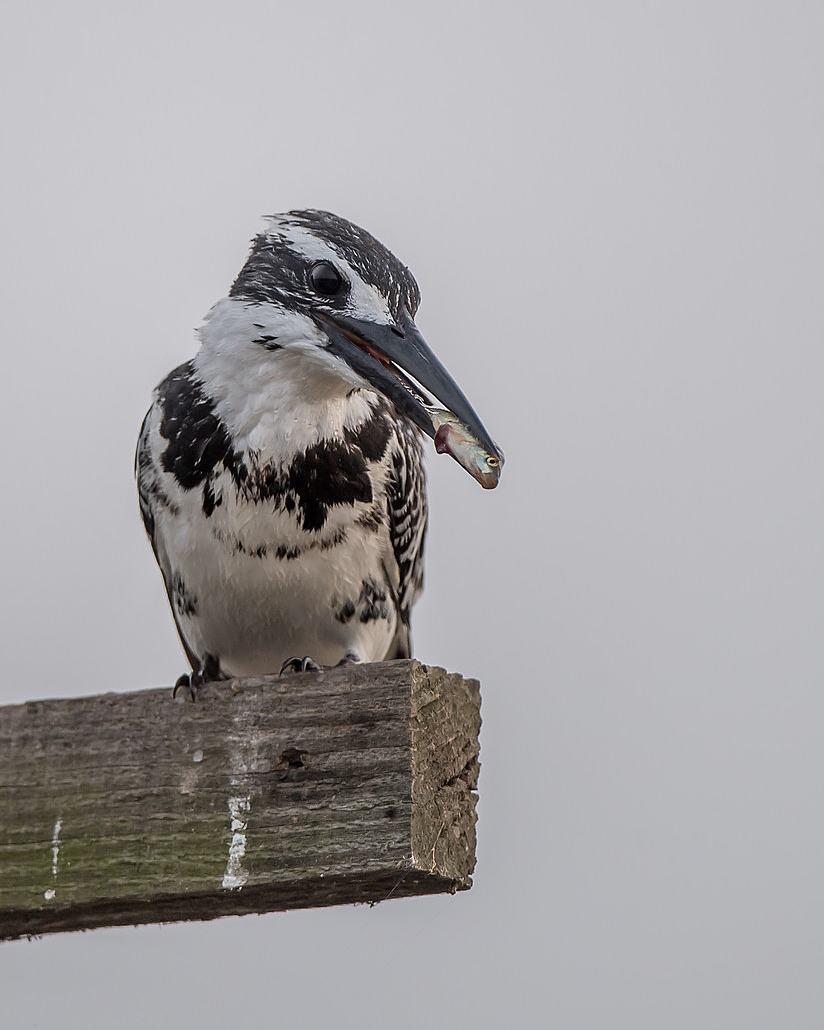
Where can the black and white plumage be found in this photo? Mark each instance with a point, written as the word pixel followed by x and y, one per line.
pixel 280 470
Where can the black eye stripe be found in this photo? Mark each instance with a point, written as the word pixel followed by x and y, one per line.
pixel 326 280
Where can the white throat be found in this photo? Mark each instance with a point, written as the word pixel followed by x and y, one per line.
pixel 276 403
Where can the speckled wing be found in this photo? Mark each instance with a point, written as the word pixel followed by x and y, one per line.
pixel 406 504
pixel 152 496
pixel 144 474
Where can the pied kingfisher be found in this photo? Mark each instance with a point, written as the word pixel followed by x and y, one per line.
pixel 280 470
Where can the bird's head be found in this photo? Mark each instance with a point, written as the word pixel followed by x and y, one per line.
pixel 337 295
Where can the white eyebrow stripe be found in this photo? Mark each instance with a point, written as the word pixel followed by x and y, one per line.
pixel 365 301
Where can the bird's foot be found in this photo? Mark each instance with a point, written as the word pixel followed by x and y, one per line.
pixel 208 672
pixel 350 658
pixel 300 665
pixel 310 665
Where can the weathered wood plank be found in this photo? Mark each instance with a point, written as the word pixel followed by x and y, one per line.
pixel 353 784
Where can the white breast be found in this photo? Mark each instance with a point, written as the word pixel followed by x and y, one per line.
pixel 250 586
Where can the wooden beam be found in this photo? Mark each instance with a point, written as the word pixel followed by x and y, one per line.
pixel 349 785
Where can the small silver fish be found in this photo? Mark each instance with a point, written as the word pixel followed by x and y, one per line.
pixel 453 437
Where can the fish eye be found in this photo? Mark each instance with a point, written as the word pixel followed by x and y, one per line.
pixel 492 462
pixel 326 280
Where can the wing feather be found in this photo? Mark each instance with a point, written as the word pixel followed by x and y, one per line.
pixel 407 510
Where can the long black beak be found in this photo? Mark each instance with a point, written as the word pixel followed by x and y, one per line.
pixel 369 347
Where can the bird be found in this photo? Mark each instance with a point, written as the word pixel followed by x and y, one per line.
pixel 280 470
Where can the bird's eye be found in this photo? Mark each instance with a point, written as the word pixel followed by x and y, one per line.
pixel 326 279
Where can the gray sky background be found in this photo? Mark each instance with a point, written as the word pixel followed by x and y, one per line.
pixel 614 211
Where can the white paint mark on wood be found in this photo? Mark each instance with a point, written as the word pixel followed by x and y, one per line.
pixel 50 893
pixel 197 756
pixel 58 826
pixel 243 749
pixel 235 875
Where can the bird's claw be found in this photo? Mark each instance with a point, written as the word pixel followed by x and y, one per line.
pixel 186 682
pixel 300 665
pixel 208 672
pixel 310 665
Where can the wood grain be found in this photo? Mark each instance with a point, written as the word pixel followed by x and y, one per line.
pixel 349 785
